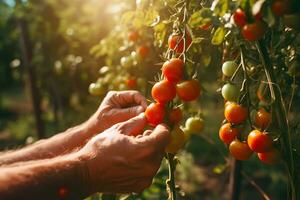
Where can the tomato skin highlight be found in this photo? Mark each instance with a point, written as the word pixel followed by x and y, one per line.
pixel 174 39
pixel 239 17
pixel 155 113
pixel 173 70
pixel 227 133
pixel 235 113
pixel 143 51
pixel 262 118
pixel 175 115
pixel 259 142
pixel 177 140
pixel 270 157
pixel 163 91
pixel 254 31
pixel 240 150
pixel 188 90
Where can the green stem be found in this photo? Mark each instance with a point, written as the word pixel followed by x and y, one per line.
pixel 280 114
pixel 171 181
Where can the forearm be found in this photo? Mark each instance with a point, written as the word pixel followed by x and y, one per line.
pixel 61 143
pixel 45 179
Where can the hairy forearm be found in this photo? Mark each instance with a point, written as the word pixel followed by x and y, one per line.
pixel 59 144
pixel 57 178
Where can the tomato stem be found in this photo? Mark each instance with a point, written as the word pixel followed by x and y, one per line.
pixel 171 186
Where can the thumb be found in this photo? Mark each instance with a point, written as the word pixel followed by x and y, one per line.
pixel 159 137
pixel 134 126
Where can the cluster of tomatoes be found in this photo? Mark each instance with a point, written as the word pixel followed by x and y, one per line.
pixel 164 93
pixel 236 114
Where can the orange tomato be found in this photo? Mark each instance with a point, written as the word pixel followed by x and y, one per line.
pixel 262 118
pixel 259 141
pixel 227 133
pixel 235 113
pixel 270 157
pixel 240 150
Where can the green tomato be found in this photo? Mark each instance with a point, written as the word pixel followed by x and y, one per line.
pixel 126 62
pixel 194 125
pixel 96 89
pixel 229 67
pixel 230 92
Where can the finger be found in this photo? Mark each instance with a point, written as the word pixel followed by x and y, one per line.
pixel 134 126
pixel 147 132
pixel 125 98
pixel 158 138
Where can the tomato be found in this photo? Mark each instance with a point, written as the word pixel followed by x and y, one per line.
pixel 254 31
pixel 227 133
pixel 155 113
pixel 177 140
pixel 235 113
pixel 230 92
pixel 163 91
pixel 194 124
pixel 229 67
pixel 270 157
pixel 259 141
pixel 188 90
pixel 239 17
pixel 292 21
pixel 131 83
pixel 262 118
pixel 126 61
pixel 240 150
pixel 280 7
pixel 133 36
pixel 175 115
pixel 96 89
pixel 173 70
pixel 143 51
pixel 176 42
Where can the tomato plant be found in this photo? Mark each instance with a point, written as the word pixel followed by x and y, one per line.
pixel 177 140
pixel 235 113
pixel 178 43
pixel 240 150
pixel 188 90
pixel 259 141
pixel 163 91
pixel 227 133
pixel 254 31
pixel 194 124
pixel 239 17
pixel 230 92
pixel 173 70
pixel 262 118
pixel 155 113
pixel 270 157
pixel 175 115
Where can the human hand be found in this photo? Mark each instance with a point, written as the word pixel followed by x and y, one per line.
pixel 118 162
pixel 116 107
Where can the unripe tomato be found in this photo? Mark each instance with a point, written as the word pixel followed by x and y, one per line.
pixel 188 90
pixel 96 89
pixel 259 142
pixel 194 124
pixel 240 150
pixel 229 67
pixel 173 70
pixel 175 115
pixel 254 31
pixel 131 83
pixel 239 17
pixel 235 113
pixel 262 118
pixel 133 36
pixel 280 7
pixel 126 61
pixel 163 91
pixel 227 133
pixel 270 157
pixel 230 92
pixel 143 51
pixel 177 140
pixel 176 42
pixel 155 113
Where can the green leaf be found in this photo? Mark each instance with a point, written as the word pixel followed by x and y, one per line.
pixel 218 36
pixel 201 17
pixel 152 17
pixel 220 7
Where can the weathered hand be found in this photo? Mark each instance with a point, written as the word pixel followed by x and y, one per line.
pixel 118 162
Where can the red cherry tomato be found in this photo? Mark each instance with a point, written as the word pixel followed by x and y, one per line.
pixel 175 115
pixel 143 51
pixel 131 83
pixel 155 113
pixel 227 133
pixel 239 17
pixel 262 118
pixel 188 90
pixel 235 113
pixel 176 42
pixel 254 31
pixel 133 36
pixel 163 91
pixel 259 142
pixel 280 7
pixel 270 157
pixel 240 150
pixel 173 70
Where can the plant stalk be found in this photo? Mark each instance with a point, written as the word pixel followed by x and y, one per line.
pixel 171 181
